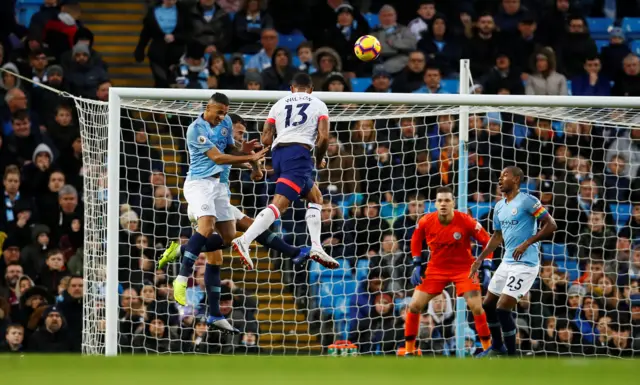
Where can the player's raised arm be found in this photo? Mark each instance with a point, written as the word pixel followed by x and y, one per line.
pixel 215 155
pixel 322 143
pixel 268 132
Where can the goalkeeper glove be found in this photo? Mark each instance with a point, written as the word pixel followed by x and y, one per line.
pixel 418 271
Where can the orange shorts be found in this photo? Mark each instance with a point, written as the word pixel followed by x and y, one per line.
pixel 435 282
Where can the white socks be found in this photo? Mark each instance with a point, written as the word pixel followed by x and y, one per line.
pixel 263 221
pixel 313 223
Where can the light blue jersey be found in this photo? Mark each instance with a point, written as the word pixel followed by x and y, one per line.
pixel 518 222
pixel 201 137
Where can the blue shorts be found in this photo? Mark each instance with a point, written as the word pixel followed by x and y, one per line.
pixel 293 168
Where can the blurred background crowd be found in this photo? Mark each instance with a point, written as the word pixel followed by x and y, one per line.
pixel 381 174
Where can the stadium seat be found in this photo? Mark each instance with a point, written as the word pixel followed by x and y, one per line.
pixel 291 42
pixel 327 275
pixel 631 27
pixel 558 128
pixel 360 84
pixel 336 293
pixel 25 9
pixel 635 47
pixel 571 268
pixel 246 57
pixel 348 202
pixel 621 213
pixel 520 132
pixel 372 19
pixel 451 86
pixel 481 209
pixel 569 89
pixel 554 252
pixel 362 269
pixel 429 206
pixel 390 211
pixel 601 44
pixel 599 27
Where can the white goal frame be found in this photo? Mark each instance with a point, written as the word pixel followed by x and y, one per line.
pixel 464 100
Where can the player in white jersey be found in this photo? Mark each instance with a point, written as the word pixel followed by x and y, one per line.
pixel 296 124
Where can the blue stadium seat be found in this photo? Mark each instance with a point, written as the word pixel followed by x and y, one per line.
pixel 569 89
pixel 635 47
pixel 601 44
pixel 25 9
pixel 429 206
pixel 362 269
pixel 621 213
pixel 520 132
pixel 232 15
pixel 631 27
pixel 360 84
pixel 571 268
pixel 335 295
pixel 558 128
pixel 481 209
pixel 349 201
pixel 554 252
pixel 451 86
pixel 246 57
pixel 599 27
pixel 317 272
pixel 372 19
pixel 291 42
pixel 390 211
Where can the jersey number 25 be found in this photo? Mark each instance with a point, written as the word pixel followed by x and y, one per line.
pixel 302 107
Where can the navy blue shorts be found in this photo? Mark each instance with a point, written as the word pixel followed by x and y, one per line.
pixel 293 168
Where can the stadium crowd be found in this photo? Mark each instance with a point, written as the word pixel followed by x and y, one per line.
pixel 380 177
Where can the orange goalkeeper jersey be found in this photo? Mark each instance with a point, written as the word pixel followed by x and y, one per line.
pixel 449 245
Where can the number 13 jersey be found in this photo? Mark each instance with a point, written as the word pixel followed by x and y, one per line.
pixel 296 119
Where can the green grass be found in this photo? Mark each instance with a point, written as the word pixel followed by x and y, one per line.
pixel 239 370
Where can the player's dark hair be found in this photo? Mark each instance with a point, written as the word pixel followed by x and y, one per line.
pixel 220 98
pixel 516 171
pixel 444 190
pixel 235 118
pixel 303 80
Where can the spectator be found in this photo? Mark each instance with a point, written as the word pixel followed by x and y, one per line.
pixel 502 76
pixel 397 40
pixel 368 229
pixel 522 46
pixel 63 129
pixel 36 71
pixel 440 48
pixel 614 54
pixel 72 165
pixel 44 101
pixel 59 32
pixel 627 146
pixel 53 271
pixel 412 77
pixel 591 83
pixel 48 11
pixel 102 94
pixel 52 336
pixel 380 81
pixel 305 56
pixel 231 77
pixel 12 269
pixel 404 226
pixel 432 78
pixel 597 236
pixel 83 77
pixel 48 200
pixel 575 48
pixel 545 80
pixel 632 227
pixel 34 255
pixel 378 332
pixel 13 340
pixel 131 316
pixel 84 36
pixel 165 26
pixel 253 81
pixel 537 150
pixel 192 71
pixel 68 209
pixel 15 100
pixel 339 177
pixel 23 139
pixel 482 47
pixel 71 307
pixel 163 219
pixel 248 23
pixel 343 35
pixel 36 173
pixel 155 338
pixel 556 21
pixel 196 340
pixel 322 17
pixel 8 80
pixel 617 183
pixel 335 82
pixel 11 196
pixel 278 77
pixel 326 60
pixel 210 26
pixel 262 60
pixel 509 15
pixel 419 176
pixel 406 142
pixel 628 83
pixel 420 25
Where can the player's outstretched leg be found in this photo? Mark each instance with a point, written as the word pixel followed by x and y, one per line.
pixel 474 301
pixel 274 242
pixel 314 225
pixel 175 250
pixel 213 289
pixel 263 221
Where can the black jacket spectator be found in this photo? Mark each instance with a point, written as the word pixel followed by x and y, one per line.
pixel 502 76
pixel 575 48
pixel 59 32
pixel 247 25
pixel 440 47
pixel 278 77
pixel 523 45
pixel 482 47
pixel 412 77
pixel 537 150
pixel 84 35
pixel 82 77
pixel 628 82
pixel 211 27
pixel 52 335
pixel 343 35
pixel 71 307
pixel 166 48
pixel 34 255
pixel 613 54
pixel 41 18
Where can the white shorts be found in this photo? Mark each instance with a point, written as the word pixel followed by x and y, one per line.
pixel 514 280
pixel 208 197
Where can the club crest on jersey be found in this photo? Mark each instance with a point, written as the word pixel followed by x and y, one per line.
pixel 457 236
pixel 514 211
pixel 205 207
pixel 202 139
pixel 224 131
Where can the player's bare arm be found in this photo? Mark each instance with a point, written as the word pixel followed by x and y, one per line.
pixel 215 155
pixel 494 242
pixel 548 227
pixel 267 135
pixel 322 143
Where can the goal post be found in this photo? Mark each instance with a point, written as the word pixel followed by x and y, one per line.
pixel 102 140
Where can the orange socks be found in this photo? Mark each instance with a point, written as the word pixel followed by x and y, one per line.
pixel 482 328
pixel 411 331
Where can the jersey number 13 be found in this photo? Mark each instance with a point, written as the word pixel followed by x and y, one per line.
pixel 302 107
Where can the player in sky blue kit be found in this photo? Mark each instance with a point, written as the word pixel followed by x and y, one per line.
pixel 296 124
pixel 515 221
pixel 210 143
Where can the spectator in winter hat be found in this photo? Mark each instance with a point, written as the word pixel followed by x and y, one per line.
pixel 253 81
pixel 44 102
pixel 342 36
pixel 380 81
pixel 335 82
pixel 34 255
pixel 59 32
pixel 326 60
pixel 36 173
pixel 52 336
pixel 545 80
pixel 83 76
pixel 278 77
pixel 613 54
pixel 84 36
pixel 25 218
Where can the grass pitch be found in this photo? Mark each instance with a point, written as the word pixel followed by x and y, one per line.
pixel 254 370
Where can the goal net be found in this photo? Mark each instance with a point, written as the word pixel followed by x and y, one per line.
pixel 387 155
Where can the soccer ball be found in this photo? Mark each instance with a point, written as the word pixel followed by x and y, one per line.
pixel 367 48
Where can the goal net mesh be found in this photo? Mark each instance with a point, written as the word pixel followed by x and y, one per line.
pixel 384 165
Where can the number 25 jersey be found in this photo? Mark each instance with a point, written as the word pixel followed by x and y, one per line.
pixel 296 118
